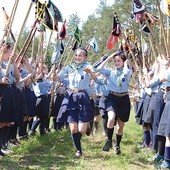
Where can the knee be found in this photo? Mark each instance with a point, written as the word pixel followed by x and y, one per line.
pixel 82 131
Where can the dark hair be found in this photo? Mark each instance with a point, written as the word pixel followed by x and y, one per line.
pixel 121 54
pixel 8 44
pixel 83 49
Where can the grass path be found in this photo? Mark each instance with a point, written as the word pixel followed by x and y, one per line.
pixel 54 151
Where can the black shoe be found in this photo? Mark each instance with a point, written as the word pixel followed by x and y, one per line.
pixel 117 150
pixel 107 146
pixel 78 154
pixel 32 133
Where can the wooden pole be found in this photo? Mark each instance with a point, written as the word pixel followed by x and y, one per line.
pixel 163 30
pixel 168 34
pixel 48 45
pixel 11 18
pixel 15 46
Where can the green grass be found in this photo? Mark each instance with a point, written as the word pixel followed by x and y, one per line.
pixel 55 151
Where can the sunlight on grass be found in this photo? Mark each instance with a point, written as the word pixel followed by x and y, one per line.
pixel 55 151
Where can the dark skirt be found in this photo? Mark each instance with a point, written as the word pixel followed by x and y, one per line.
pixel 20 105
pixel 164 124
pixel 57 104
pixel 96 106
pixel 159 106
pixel 6 104
pixel 145 108
pixel 150 111
pixel 139 111
pixel 76 107
pixel 30 102
pixel 42 105
pixel 120 105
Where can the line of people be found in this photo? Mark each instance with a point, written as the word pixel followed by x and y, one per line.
pixel 83 94
pixel 152 110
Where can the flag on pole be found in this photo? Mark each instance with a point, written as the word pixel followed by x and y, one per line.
pixel 116 31
pixel 138 8
pixel 62 33
pixel 59 48
pixel 48 14
pixel 94 45
pixel 77 35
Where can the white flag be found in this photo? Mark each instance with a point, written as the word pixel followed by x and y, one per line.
pixel 94 45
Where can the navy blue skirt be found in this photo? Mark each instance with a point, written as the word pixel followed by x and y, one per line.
pixel 145 108
pixel 164 124
pixel 20 105
pixel 120 105
pixel 76 107
pixel 139 111
pixel 30 102
pixel 159 106
pixel 6 104
pixel 42 105
pixel 57 104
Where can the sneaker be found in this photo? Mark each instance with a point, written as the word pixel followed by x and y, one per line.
pixel 117 150
pixel 156 159
pixel 6 152
pixel 78 154
pixel 107 146
pixel 165 165
pixel 1 153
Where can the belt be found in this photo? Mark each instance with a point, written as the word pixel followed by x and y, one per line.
pixel 76 90
pixel 119 94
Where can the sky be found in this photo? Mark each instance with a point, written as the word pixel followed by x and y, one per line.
pixel 84 8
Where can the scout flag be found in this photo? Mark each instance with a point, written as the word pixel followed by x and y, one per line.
pixel 50 16
pixel 94 45
pixel 77 35
pixel 59 48
pixel 62 33
pixel 116 31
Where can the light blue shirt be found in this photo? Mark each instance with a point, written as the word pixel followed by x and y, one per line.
pixel 10 76
pixel 76 77
pixel 42 87
pixel 117 79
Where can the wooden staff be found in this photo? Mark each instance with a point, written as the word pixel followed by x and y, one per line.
pixel 26 43
pixel 6 18
pixel 29 38
pixel 9 27
pixel 10 20
pixel 48 45
pixel 168 34
pixel 40 46
pixel 32 49
pixel 151 41
pixel 15 46
pixel 67 57
pixel 131 52
pixel 52 92
pixel 53 85
pixel 163 30
pixel 66 47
